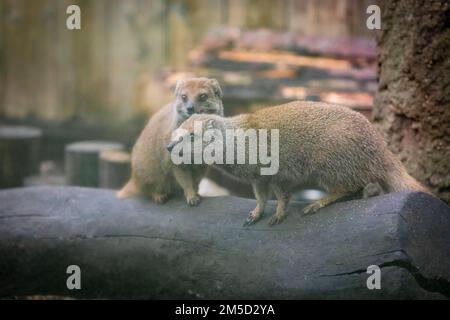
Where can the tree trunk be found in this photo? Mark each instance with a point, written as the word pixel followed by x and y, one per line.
pixel 412 106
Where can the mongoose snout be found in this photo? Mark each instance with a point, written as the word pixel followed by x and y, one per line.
pixel 333 146
pixel 190 109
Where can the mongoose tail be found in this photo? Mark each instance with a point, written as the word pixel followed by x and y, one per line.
pixel 128 191
pixel 399 180
pixel 404 182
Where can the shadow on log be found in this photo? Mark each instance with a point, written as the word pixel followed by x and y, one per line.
pixel 136 249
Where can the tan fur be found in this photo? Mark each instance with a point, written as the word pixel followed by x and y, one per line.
pixel 153 173
pixel 330 145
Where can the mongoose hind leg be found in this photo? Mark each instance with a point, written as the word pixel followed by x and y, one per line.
pixel 129 190
pixel 372 190
pixel 186 180
pixel 283 198
pixel 316 205
pixel 261 191
pixel 159 197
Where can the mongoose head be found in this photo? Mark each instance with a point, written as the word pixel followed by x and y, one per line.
pixel 194 129
pixel 198 95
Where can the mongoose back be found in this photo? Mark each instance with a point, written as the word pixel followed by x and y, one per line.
pixel 153 173
pixel 330 145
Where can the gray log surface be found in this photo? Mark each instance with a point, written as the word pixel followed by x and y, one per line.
pixel 137 249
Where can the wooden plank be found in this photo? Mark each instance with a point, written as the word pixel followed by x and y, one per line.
pixel 286 58
pixel 66 74
pixel 144 25
pixel 2 59
pixel 297 16
pixel 106 72
pixel 237 13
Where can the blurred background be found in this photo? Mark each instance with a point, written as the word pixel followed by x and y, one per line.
pixel 104 81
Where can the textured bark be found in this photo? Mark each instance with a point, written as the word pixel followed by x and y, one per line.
pixel 412 107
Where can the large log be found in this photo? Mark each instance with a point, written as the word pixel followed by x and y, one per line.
pixel 19 154
pixel 137 249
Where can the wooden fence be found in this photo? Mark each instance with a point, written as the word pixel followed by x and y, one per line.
pixel 106 71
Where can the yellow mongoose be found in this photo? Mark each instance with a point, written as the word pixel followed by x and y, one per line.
pixel 331 145
pixel 153 173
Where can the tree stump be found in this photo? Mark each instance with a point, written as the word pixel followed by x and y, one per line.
pixel 115 169
pixel 82 161
pixel 19 154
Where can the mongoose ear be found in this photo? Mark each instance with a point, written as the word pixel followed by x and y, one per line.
pixel 216 87
pixel 178 86
pixel 210 124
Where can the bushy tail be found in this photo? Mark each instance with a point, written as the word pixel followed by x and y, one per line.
pixel 399 180
pixel 128 191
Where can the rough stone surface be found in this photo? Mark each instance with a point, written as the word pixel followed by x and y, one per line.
pixel 137 249
pixel 412 106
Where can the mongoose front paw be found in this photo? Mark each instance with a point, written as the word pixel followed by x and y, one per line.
pixel 193 201
pixel 275 220
pixel 312 208
pixel 160 198
pixel 251 219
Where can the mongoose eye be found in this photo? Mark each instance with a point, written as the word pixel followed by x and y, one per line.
pixel 184 97
pixel 203 97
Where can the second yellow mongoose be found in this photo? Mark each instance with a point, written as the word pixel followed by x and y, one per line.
pixel 153 174
pixel 332 145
